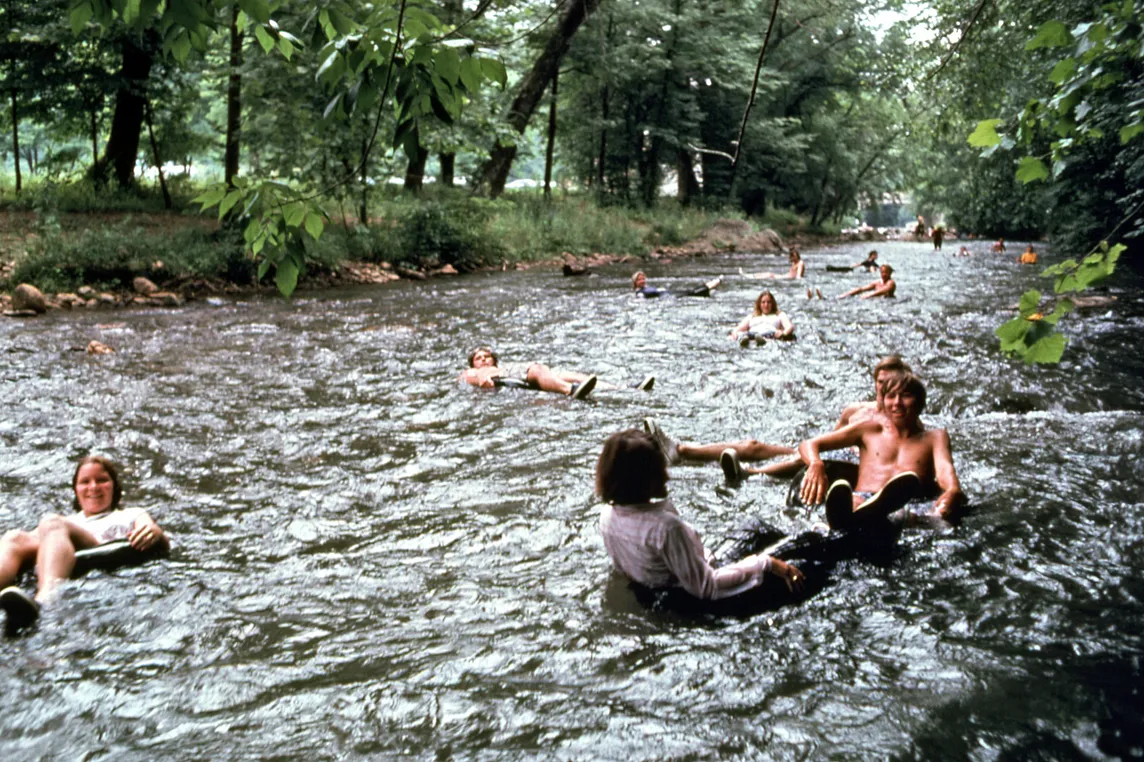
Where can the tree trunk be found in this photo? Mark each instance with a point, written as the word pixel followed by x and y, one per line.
pixel 494 173
pixel 158 157
pixel 363 208
pixel 16 142
pixel 549 149
pixel 127 122
pixel 233 102
pixel 688 186
pixel 601 168
pixel 448 161
pixel 94 138
pixel 415 170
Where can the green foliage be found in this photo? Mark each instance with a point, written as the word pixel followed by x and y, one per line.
pixel 112 256
pixel 82 196
pixel 450 232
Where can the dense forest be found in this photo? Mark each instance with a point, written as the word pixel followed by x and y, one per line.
pixel 994 117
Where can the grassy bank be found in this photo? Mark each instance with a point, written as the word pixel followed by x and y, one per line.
pixel 61 237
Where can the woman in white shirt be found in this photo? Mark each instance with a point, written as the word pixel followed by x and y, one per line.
pixel 766 322
pixel 98 520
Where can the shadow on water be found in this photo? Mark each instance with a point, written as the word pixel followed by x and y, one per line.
pixel 373 561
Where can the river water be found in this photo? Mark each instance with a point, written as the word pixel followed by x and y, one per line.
pixel 374 562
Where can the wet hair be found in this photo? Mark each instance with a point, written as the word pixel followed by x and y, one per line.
pixel 112 471
pixel 886 267
pixel 478 350
pixel 631 469
pixel 794 254
pixel 635 275
pixel 872 255
pixel 892 363
pixel 759 303
pixel 908 383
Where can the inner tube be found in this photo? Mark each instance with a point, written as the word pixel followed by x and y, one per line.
pixel 511 383
pixel 115 555
pixel 835 470
pixel 838 269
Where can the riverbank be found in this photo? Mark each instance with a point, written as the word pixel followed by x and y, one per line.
pixel 163 260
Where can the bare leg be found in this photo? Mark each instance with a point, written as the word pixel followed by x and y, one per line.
pixel 785 469
pixel 17 549
pixel 546 380
pixel 59 540
pixel 747 449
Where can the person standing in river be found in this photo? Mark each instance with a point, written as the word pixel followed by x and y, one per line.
pixel 888 445
pixel 885 286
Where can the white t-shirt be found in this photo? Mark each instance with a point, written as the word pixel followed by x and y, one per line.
pixel 109 525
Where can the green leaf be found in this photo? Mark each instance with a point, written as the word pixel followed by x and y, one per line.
pixel 1052 34
pixel 1062 308
pixel 1064 69
pixel 181 47
pixel 448 65
pixel 210 197
pixel 471 74
pixel 333 104
pixel 79 15
pixel 228 202
pixel 986 133
pixel 331 68
pixel 1030 302
pixel 264 267
pixel 286 276
pixel 1031 169
pixel 1129 131
pixel 252 229
pixel 1012 334
pixel 264 38
pixel 1046 350
pixel 293 213
pixel 286 47
pixel 494 70
pixel 314 225
pixel 259 10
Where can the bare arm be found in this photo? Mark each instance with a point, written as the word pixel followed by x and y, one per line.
pixel 814 486
pixel 847 413
pixel 741 328
pixel 881 289
pixel 859 290
pixel 146 533
pixel 482 377
pixel 786 327
pixel 951 497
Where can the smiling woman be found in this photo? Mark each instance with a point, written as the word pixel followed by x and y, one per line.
pixel 53 546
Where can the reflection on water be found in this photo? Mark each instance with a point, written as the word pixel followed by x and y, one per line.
pixel 374 561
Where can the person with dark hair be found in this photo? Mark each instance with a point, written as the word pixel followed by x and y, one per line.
pixel 765 322
pixel 644 291
pixel 869 264
pixel 1028 256
pixel 485 371
pixel 649 542
pixel 895 452
pixel 52 547
pixel 885 286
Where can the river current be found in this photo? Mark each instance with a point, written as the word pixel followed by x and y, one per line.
pixel 373 561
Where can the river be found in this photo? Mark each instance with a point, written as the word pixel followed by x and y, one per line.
pixel 375 562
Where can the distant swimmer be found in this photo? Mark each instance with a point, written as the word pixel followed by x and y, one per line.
pixel 797 269
pixel 885 286
pixel 52 547
pixel 643 290
pixel 647 540
pixel 485 371
pixel 964 252
pixel 998 247
pixel 870 262
pixel 938 235
pixel 766 322
pixel 1028 256
pixel 890 446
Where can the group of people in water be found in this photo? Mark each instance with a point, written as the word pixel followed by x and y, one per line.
pixel 898 458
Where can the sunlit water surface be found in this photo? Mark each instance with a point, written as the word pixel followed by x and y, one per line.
pixel 375 562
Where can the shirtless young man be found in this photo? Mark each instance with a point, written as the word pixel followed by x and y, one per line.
pixel 888 445
pixel 797 270
pixel 883 287
pixel 887 368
